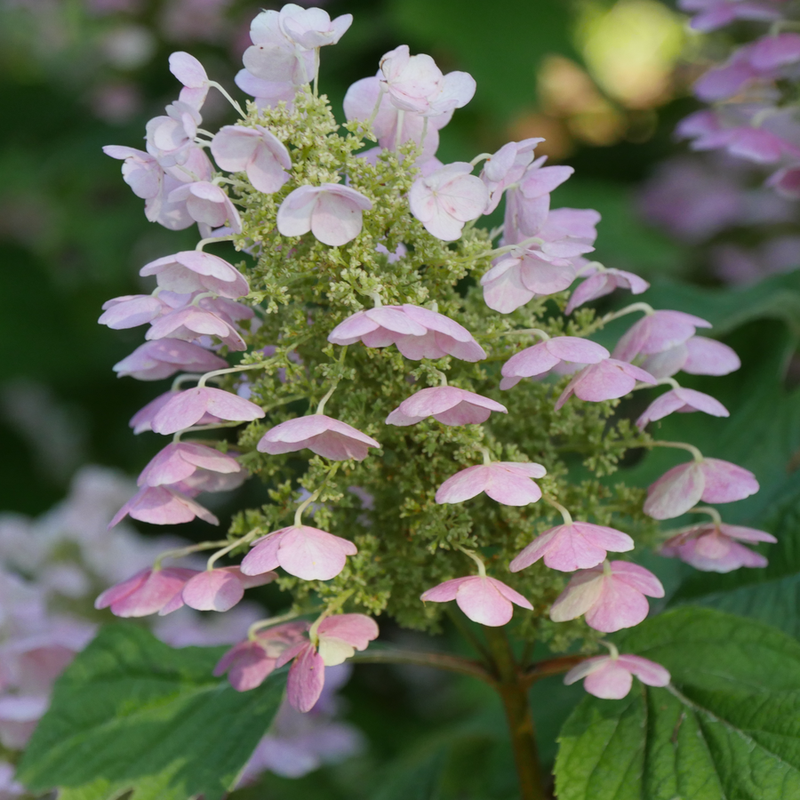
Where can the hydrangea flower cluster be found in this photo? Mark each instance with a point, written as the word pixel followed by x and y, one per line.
pixel 401 379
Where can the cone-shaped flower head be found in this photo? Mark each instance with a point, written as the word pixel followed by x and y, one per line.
pixel 188 407
pixel 505 167
pixel 542 357
pixel 507 482
pixel 306 552
pixel 611 596
pixel 603 283
pixel 696 356
pixel 418 333
pixel 147 592
pixel 179 460
pixel 683 401
pixel 332 212
pixel 657 332
pixel 611 677
pixel 162 505
pixel 321 434
pixel 606 380
pixel 153 361
pixel 207 203
pixel 195 271
pixel 255 151
pixel 448 405
pixel 484 600
pixel 416 84
pixel 337 638
pixel 716 548
pixel 577 545
pixel 447 199
pixel 220 589
pixel 711 480
pixel 250 662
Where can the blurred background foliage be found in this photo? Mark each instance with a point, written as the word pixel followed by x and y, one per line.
pixel 604 81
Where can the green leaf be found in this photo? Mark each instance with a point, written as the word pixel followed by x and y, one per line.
pixel 727 728
pixel 131 713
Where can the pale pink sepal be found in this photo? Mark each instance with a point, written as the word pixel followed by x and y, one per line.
pixel 579 545
pixel 712 548
pixel 306 679
pixel 146 592
pixel 321 434
pixel 153 361
pixel 681 400
pixel 542 357
pixel 484 600
pixel 610 677
pixel 711 480
pixel 507 482
pixel 188 407
pixel 610 596
pixel 447 404
pixel 607 380
pixel 220 589
pixel 603 283
pixel 657 332
pixel 161 505
pixel 196 271
pixel 255 151
pixel 178 460
pixel 306 552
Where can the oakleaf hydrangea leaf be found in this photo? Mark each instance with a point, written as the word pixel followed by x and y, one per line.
pixel 728 727
pixel 131 713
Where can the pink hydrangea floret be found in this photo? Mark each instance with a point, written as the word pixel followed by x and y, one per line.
pixel 606 380
pixel 446 404
pixel 683 401
pixel 147 592
pixel 220 589
pixel 195 271
pixel 188 407
pixel 717 548
pixel 484 600
pixel 255 151
pixel 602 283
pixel 321 434
pixel 542 357
pixel 507 482
pixel 153 361
pixel 611 677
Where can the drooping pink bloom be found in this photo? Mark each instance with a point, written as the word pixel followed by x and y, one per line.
pixel 274 56
pixel 447 199
pixel 447 404
pixel 312 27
pixel 208 204
pixel 195 271
pixel 321 434
pixel 392 126
pixel 305 552
pixel 416 84
pixel 716 548
pixel 696 356
pixel 603 283
pixel 192 323
pixel 577 545
pixel 711 480
pixel 255 151
pixel 332 212
pixel 506 167
pixel 206 480
pixel 611 677
pixel 715 14
pixel 610 596
pixel 657 332
pixel 266 94
pixel 606 380
pixel 142 420
pixel 337 640
pixel 507 482
pixel 544 266
pixel 191 73
pixel 484 600
pixel 178 460
pixel 250 662
pixel 683 401
pixel 153 361
pixel 188 407
pixel 132 310
pixel 162 505
pixel 170 137
pixel 418 333
pixel 220 589
pixel 140 170
pixel 147 592
pixel 542 357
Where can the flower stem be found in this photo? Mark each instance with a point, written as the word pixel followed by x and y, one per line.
pixel 445 661
pixel 512 686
